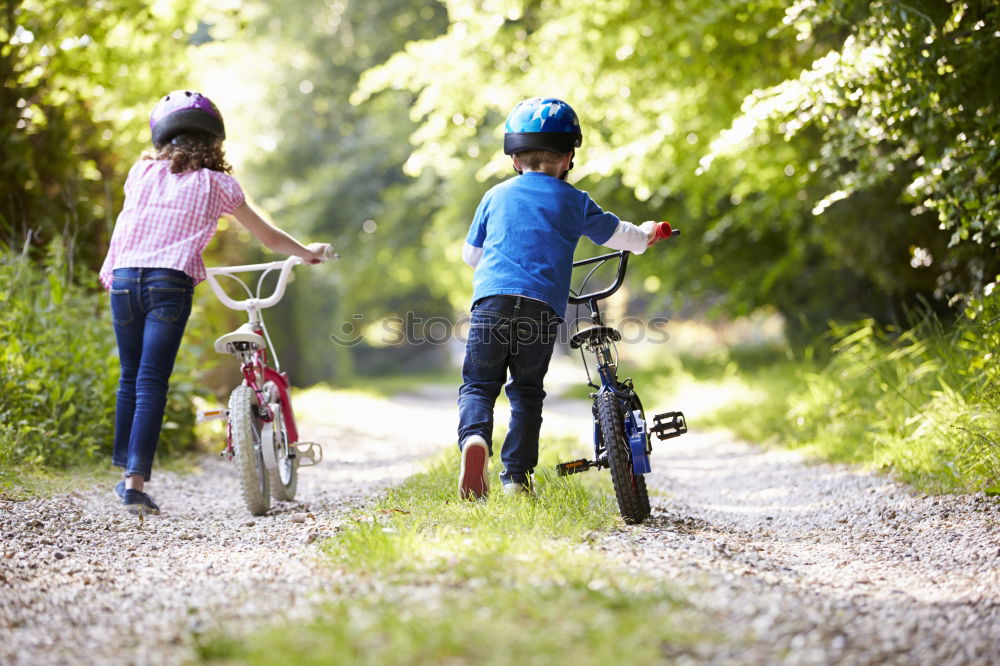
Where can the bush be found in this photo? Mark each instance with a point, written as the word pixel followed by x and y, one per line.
pixel 924 402
pixel 59 372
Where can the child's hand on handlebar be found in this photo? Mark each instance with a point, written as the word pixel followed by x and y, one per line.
pixel 318 253
pixel 649 228
pixel 658 231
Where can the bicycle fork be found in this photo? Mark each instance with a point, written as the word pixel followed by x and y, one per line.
pixel 665 426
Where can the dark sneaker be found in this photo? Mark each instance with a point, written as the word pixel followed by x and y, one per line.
pixel 138 502
pixel 473 478
pixel 120 489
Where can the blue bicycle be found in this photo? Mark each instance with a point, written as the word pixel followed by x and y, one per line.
pixel 621 433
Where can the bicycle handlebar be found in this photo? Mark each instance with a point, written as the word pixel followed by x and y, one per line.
pixel 623 256
pixel 254 303
pixel 663 230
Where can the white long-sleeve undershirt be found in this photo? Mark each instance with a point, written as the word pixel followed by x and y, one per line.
pixel 630 237
pixel 472 254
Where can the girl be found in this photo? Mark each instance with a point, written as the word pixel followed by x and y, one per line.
pixel 174 197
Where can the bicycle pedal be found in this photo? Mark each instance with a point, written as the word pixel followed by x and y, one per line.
pixel 574 466
pixel 217 414
pixel 668 425
pixel 307 454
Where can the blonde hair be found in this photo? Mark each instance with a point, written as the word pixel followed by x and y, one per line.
pixel 534 159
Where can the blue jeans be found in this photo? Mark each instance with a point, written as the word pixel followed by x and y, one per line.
pixel 507 333
pixel 149 307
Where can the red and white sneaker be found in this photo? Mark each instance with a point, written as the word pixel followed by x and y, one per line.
pixel 473 478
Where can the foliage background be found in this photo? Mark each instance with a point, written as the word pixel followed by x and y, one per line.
pixel 829 160
pixel 77 79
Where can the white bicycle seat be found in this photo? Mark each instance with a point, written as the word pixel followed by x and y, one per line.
pixel 244 333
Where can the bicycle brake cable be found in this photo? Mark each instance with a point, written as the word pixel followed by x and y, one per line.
pixel 239 282
pixel 576 320
pixel 263 326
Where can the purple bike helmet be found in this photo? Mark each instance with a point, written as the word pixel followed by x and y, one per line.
pixel 184 111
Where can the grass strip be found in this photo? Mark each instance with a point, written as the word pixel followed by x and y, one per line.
pixel 423 577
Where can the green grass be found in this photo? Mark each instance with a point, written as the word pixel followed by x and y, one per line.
pixel 26 482
pixel 424 578
pixel 922 404
pixel 59 373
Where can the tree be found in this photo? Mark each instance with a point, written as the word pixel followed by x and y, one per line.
pixel 906 104
pixel 76 83
pixel 744 122
pixel 331 171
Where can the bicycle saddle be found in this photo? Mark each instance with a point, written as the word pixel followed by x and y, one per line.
pixel 593 334
pixel 245 334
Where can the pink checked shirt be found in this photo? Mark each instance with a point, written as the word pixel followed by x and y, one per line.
pixel 169 218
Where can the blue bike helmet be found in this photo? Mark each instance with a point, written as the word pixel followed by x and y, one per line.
pixel 542 123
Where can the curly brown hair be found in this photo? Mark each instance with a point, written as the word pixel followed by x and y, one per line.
pixel 192 151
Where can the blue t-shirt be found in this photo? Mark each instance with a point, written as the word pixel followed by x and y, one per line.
pixel 528 228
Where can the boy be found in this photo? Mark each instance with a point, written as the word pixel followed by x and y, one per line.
pixel 521 246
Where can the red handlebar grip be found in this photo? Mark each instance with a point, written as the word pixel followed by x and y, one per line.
pixel 663 230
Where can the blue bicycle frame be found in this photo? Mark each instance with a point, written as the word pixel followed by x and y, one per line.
pixel 599 339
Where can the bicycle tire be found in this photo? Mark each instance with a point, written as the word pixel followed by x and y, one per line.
pixel 284 478
pixel 630 489
pixel 245 429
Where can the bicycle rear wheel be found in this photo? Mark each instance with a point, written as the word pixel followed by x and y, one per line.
pixel 630 489
pixel 245 429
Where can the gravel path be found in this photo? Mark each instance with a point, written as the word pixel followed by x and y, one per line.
pixel 83 583
pixel 815 564
pixel 798 563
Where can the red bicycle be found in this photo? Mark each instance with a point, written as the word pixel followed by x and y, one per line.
pixel 261 434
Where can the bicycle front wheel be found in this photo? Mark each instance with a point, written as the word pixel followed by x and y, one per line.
pixel 630 488
pixel 245 428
